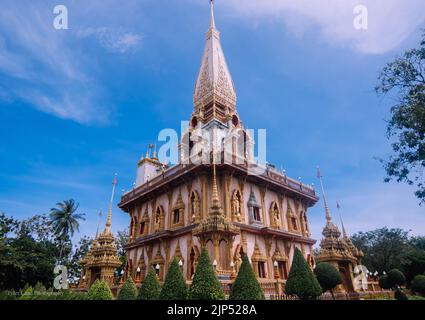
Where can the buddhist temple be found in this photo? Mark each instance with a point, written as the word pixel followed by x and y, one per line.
pixel 218 196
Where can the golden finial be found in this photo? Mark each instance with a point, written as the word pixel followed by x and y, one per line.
pixel 327 211
pixel 108 220
pixel 154 153
pixel 212 23
pixel 98 223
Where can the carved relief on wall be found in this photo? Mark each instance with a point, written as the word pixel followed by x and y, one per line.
pixel 275 218
pixel 158 219
pixel 195 206
pixel 237 206
pixel 292 219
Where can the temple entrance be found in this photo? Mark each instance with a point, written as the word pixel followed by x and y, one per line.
pixel 344 270
pixel 95 275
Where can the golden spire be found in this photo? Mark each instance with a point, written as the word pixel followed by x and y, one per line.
pixel 108 220
pixel 98 223
pixel 327 211
pixel 344 233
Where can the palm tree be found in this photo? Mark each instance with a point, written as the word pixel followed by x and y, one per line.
pixel 65 221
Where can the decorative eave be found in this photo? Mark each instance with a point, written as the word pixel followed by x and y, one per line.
pixel 179 174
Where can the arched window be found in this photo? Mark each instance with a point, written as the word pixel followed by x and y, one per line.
pixel 142 227
pixel 176 216
pixel 131 228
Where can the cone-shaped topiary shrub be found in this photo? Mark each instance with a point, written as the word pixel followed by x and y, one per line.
pixel 418 284
pixel 246 286
pixel 174 287
pixel 28 294
pixel 150 288
pixel 128 291
pixel 205 285
pixel 39 288
pixel 100 291
pixel 301 280
pixel 328 276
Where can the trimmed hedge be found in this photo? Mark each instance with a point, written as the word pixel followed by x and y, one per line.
pixel 301 280
pixel 246 286
pixel 418 284
pixel 396 278
pixel 128 291
pixel 328 276
pixel 150 288
pixel 205 285
pixel 174 287
pixel 100 291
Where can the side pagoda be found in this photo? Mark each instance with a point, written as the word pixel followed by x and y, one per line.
pixel 102 258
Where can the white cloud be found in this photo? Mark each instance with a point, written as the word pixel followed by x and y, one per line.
pixel 114 40
pixel 45 67
pixel 390 21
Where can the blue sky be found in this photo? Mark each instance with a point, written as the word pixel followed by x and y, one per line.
pixel 78 105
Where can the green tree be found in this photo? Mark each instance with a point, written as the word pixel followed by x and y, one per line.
pixel 150 288
pixel 65 221
pixel 100 291
pixel 404 78
pixel 418 284
pixel 328 277
pixel 413 263
pixel 128 291
pixel 24 260
pixel 122 238
pixel 7 225
pixel 246 286
pixel 174 287
pixel 301 280
pixel 383 248
pixel 417 242
pixel 205 285
pixel 80 251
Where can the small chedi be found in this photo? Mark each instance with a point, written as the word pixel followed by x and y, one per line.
pixel 102 259
pixel 337 250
